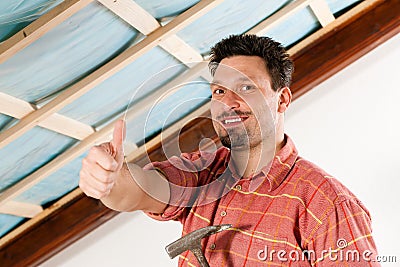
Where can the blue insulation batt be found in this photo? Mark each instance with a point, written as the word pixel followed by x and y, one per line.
pixel 303 23
pixel 15 15
pixel 5 120
pixel 28 153
pixel 167 110
pixel 229 17
pixel 86 41
pixel 8 222
pixel 55 185
pixel 162 9
pixel 164 113
pixel 72 49
pixel 113 95
pixel 236 16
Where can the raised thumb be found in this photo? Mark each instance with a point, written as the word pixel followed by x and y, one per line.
pixel 118 139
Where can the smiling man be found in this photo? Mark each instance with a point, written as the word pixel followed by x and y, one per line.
pixel 284 210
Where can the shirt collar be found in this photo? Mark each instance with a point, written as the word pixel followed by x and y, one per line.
pixel 281 164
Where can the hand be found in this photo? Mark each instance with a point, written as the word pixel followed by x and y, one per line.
pixel 102 166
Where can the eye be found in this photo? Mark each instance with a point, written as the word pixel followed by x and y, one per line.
pixel 218 91
pixel 246 88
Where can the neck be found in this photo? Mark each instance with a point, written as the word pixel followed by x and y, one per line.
pixel 249 162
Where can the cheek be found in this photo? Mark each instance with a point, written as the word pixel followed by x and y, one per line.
pixel 215 111
pixel 255 101
pixel 258 108
pixel 216 107
pixel 263 116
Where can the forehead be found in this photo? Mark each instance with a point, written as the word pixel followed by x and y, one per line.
pixel 241 68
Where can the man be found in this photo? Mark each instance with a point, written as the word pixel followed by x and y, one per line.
pixel 284 209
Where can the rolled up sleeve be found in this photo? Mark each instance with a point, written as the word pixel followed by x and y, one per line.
pixel 185 175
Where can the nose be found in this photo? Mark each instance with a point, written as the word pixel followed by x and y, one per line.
pixel 231 100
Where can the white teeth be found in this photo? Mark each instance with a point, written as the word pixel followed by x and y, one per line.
pixel 232 120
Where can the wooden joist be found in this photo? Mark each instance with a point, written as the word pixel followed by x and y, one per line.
pixel 133 14
pixel 95 137
pixel 106 71
pixel 21 209
pixel 18 108
pixel 321 10
pixel 285 12
pixel 39 27
pixel 144 22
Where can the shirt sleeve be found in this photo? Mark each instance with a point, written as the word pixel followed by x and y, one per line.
pixel 186 174
pixel 345 237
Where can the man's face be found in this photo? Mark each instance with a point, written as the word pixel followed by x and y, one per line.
pixel 243 105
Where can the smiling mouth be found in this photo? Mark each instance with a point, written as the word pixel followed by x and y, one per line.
pixel 233 121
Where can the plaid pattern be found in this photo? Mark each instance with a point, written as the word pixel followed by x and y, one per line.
pixel 296 208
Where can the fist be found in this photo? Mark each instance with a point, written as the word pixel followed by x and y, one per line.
pixel 102 166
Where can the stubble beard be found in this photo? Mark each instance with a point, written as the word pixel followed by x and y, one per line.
pixel 243 139
pixel 235 140
pixel 239 139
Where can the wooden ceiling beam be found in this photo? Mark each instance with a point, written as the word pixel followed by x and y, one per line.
pixel 39 27
pixel 133 14
pixel 264 26
pixel 21 209
pixel 321 10
pixel 101 74
pixel 96 137
pixel 18 108
pixel 140 19
pixel 324 56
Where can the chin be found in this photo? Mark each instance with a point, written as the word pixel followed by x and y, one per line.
pixel 226 142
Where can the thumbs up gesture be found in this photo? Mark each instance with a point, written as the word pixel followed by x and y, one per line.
pixel 103 165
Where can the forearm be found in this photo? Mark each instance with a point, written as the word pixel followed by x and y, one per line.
pixel 136 189
pixel 125 193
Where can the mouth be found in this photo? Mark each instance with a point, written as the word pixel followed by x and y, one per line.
pixel 233 121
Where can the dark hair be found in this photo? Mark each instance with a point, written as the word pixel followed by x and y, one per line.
pixel 277 61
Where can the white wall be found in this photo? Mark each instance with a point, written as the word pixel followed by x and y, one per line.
pixel 349 125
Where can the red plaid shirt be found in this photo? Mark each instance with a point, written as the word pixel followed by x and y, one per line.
pixel 297 216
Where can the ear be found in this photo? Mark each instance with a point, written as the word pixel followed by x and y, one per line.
pixel 285 98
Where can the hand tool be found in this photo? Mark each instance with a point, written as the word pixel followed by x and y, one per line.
pixel 192 241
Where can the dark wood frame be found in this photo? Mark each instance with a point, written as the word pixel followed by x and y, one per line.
pixel 314 63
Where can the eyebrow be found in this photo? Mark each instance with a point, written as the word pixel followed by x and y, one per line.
pixel 242 79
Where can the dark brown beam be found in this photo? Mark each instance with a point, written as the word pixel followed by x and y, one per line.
pixel 314 64
pixel 54 233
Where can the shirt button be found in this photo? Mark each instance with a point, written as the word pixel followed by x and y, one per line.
pixel 212 246
pixel 223 213
pixel 238 187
